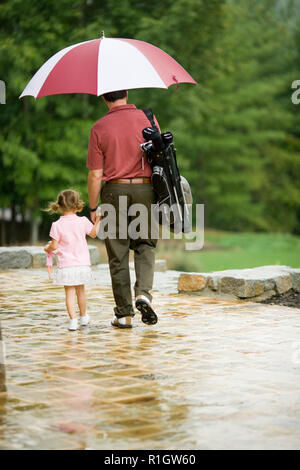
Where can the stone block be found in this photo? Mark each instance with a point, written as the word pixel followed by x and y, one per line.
pixel 252 288
pixel 213 283
pixel 231 285
pixel 33 257
pixel 160 265
pixel 191 282
pixel 238 286
pixel 283 283
pixel 15 257
pixel 256 283
pixel 94 254
pixel 295 278
pixel 268 294
pixel 39 260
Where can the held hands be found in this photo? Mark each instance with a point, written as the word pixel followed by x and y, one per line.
pixel 98 219
pixel 96 216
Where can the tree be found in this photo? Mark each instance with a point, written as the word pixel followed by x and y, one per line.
pixel 44 143
pixel 236 132
pixel 243 158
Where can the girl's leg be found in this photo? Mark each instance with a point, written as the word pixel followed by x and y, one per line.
pixel 71 300
pixel 81 299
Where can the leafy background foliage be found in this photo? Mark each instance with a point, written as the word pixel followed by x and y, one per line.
pixel 237 132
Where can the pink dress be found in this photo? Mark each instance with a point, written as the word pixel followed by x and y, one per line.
pixel 72 252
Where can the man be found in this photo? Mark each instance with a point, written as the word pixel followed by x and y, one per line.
pixel 115 156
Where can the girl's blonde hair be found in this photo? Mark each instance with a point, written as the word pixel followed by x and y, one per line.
pixel 67 201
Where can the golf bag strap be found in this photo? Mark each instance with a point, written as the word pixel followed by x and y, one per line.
pixel 149 114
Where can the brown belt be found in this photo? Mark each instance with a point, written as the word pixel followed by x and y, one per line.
pixel 131 180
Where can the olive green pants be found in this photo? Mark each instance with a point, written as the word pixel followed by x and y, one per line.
pixel 119 242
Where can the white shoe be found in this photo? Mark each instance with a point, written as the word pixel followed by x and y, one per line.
pixel 73 325
pixel 85 320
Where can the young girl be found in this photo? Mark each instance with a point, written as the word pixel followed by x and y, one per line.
pixel 68 235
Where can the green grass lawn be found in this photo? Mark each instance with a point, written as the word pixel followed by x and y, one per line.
pixel 230 250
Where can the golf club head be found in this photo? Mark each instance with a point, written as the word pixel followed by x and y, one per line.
pixel 167 138
pixel 150 133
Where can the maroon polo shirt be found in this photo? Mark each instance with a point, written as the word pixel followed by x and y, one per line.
pixel 115 144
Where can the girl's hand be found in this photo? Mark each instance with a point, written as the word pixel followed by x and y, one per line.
pixel 51 246
pixel 46 249
pixel 95 229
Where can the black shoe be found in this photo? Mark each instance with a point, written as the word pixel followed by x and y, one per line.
pixel 148 315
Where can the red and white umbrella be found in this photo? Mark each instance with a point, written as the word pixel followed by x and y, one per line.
pixel 106 64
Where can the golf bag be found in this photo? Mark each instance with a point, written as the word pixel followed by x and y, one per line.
pixel 173 193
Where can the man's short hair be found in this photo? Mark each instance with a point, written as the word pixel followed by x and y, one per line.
pixel 115 95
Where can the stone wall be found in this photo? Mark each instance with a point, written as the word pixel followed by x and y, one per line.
pixel 33 257
pixel 23 257
pixel 254 284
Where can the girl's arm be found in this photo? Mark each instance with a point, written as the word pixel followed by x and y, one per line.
pixel 51 246
pixel 94 232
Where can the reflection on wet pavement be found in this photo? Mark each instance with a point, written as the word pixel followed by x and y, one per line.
pixel 2 364
pixel 211 374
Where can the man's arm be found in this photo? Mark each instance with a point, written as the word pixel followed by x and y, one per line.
pixel 94 185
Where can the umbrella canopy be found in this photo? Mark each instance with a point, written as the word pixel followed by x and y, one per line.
pixel 106 64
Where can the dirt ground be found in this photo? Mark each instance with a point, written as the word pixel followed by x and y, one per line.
pixel 289 299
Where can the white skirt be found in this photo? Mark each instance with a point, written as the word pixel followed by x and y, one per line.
pixel 73 276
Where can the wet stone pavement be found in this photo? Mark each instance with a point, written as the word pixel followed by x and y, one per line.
pixel 212 374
